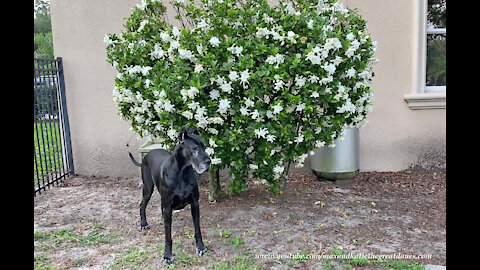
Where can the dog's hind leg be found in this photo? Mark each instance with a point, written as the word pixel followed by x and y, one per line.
pixel 147 194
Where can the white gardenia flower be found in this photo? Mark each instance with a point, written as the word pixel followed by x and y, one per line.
pixel 168 106
pixel 213 131
pixel 300 107
pixel 253 166
pixel 262 32
pixel 291 36
pixel 189 93
pixel 145 70
pixel 157 52
pixel 193 105
pixel 215 120
pixel 333 43
pixel 278 169
pixel 244 76
pixel 270 114
pixel 267 19
pixel 174 44
pixel 314 94
pixel 348 107
pixel 200 49
pixel 216 161
pixel 279 84
pixel 108 41
pixel 187 114
pixel 261 133
pixel 330 68
pixel 255 114
pixel 210 151
pixel 142 5
pixel 271 138
pixel 186 54
pixel 224 106
pixel 266 99
pixel 299 139
pixel 277 109
pixel 300 81
pixel 203 25
pixel 351 72
pixel 175 31
pixel 142 25
pixel 310 24
pixel 172 133
pixel 351 36
pixel 214 94
pixel 275 59
pixel 233 75
pixel 237 50
pixel 365 75
pixel 337 60
pixel 147 83
pixel 319 144
pixel 214 41
pixel 226 87
pixel 249 150
pixel 142 43
pixel 248 103
pixel 212 143
pixel 313 79
pixel 244 111
pixel 201 111
pixel 198 68
pixel 165 37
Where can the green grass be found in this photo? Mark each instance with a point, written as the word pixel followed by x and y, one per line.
pixel 133 258
pixel 41 262
pixel 239 262
pixel 48 149
pixel 379 264
pixel 237 241
pixel 50 240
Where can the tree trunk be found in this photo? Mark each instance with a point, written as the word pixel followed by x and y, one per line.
pixel 214 184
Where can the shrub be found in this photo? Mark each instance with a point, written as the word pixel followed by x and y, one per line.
pixel 264 84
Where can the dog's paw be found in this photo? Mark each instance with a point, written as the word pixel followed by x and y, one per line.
pixel 167 260
pixel 201 252
pixel 144 228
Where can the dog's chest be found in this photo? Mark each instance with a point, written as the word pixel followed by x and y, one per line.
pixel 183 195
pixel 180 201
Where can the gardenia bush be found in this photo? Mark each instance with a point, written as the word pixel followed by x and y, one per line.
pixel 264 85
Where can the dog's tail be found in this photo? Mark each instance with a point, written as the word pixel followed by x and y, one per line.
pixel 133 160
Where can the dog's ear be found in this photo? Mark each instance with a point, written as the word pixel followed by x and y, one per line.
pixel 183 134
pixel 195 132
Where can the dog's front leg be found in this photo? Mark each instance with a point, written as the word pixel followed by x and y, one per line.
pixel 167 222
pixel 196 223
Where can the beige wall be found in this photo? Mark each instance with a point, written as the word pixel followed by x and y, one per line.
pixel 394 139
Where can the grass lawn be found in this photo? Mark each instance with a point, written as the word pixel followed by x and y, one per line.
pixel 48 150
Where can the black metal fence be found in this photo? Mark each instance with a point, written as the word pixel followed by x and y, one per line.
pixel 52 159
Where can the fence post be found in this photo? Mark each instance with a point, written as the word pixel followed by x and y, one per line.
pixel 66 125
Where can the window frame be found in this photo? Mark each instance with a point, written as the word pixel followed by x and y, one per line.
pixel 423 96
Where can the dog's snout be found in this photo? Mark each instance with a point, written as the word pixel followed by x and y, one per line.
pixel 207 161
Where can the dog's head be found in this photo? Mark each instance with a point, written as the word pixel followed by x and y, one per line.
pixel 194 149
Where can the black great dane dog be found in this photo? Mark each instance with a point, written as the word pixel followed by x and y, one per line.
pixel 172 174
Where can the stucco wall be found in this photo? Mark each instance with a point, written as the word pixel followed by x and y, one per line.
pixel 395 138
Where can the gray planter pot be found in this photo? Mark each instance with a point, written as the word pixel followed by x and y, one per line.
pixel 340 162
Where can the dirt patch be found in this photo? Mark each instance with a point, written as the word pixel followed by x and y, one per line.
pixel 93 223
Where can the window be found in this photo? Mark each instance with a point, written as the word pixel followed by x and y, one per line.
pixel 436 77
pixel 429 71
